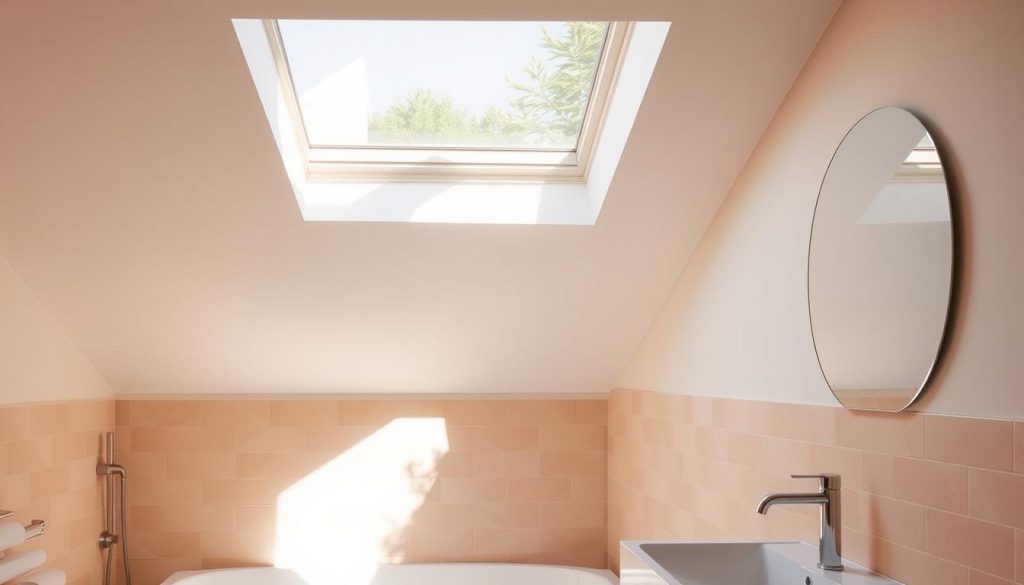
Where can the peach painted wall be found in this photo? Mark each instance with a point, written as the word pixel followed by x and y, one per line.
pixel 38 362
pixel 927 499
pixel 355 482
pixel 48 456
pixel 736 324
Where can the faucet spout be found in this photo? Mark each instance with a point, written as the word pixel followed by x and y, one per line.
pixel 773 499
pixel 828 500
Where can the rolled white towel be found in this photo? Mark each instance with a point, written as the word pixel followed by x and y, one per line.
pixel 19 563
pixel 51 577
pixel 11 535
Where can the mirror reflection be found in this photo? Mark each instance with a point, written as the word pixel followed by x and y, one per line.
pixel 880 263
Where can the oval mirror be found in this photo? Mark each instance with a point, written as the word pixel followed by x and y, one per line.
pixel 880 263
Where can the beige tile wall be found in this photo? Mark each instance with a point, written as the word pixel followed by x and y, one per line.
pixel 928 500
pixel 48 456
pixel 519 480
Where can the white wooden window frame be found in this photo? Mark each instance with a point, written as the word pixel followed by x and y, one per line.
pixel 458 163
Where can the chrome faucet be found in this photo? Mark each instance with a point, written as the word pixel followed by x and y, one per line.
pixel 829 499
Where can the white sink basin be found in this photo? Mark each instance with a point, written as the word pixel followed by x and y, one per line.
pixel 734 563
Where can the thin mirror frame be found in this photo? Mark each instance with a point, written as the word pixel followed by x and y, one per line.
pixel 943 340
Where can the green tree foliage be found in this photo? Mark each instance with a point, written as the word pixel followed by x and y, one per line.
pixel 548 109
pixel 553 100
pixel 422 116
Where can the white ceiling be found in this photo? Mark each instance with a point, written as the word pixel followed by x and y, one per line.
pixel 143 202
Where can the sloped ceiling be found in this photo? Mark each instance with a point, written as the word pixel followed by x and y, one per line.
pixel 143 202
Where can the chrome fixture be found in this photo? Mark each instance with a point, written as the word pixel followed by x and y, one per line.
pixel 32 530
pixel 829 499
pixel 110 470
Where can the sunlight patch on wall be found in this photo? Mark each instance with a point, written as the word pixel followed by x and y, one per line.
pixel 338 523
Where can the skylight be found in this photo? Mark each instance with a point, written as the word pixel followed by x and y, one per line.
pixel 518 100
pixel 514 122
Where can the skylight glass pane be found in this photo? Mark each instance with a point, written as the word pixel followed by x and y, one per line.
pixel 442 84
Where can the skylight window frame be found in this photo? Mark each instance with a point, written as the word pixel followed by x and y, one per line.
pixel 416 163
pixel 922 165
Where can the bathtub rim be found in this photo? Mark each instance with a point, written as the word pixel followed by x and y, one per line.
pixel 180 576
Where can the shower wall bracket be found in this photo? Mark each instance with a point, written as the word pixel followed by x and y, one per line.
pixel 107 539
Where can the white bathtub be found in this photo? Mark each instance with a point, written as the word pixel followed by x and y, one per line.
pixel 446 574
